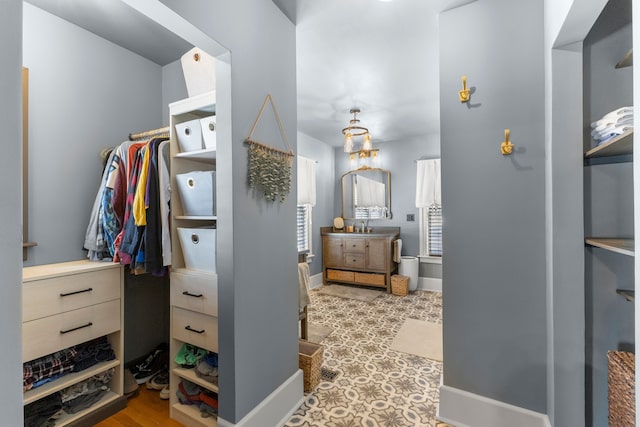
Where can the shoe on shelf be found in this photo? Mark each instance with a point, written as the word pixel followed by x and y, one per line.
pixel 159 380
pixel 165 393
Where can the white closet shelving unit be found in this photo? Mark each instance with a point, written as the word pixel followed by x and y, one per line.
pixel 194 293
pixel 66 304
pixel 609 240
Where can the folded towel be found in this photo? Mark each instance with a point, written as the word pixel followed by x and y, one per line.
pixel 304 282
pixel 397 251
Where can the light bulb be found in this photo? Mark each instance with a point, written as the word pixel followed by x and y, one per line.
pixel 366 144
pixel 348 142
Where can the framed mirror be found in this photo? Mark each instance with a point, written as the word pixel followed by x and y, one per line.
pixel 366 194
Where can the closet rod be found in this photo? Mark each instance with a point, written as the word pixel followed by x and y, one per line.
pixel 155 133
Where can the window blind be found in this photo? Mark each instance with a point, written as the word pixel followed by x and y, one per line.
pixel 435 230
pixel 302 227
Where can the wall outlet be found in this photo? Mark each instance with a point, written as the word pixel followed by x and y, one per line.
pixel 411 217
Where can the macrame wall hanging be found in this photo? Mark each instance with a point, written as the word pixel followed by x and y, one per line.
pixel 269 167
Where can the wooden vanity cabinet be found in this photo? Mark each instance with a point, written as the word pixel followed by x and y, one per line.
pixel 359 258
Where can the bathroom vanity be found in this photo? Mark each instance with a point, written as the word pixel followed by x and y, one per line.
pixel 359 258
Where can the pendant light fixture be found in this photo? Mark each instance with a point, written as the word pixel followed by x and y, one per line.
pixel 354 129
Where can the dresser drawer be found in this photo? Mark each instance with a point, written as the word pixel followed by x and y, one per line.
pixel 195 291
pixel 50 334
pixel 340 276
pixel 195 328
pixel 370 279
pixel 49 296
pixel 354 260
pixel 354 245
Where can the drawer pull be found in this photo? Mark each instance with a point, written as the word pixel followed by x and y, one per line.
pixel 76 328
pixel 189 328
pixel 189 294
pixel 76 292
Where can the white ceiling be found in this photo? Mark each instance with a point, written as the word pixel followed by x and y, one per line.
pixel 381 57
pixel 119 23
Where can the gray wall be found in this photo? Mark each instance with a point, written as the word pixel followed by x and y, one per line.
pixel 174 87
pixel 76 110
pixel 10 210
pixel 258 334
pixel 608 208
pixel 566 260
pixel 494 295
pixel 323 212
pixel 82 100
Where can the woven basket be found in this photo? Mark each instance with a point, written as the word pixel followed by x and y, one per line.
pixel 622 400
pixel 399 285
pixel 310 361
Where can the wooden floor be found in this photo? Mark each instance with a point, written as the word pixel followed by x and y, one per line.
pixel 144 410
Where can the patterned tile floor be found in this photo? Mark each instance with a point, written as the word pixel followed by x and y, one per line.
pixel 375 385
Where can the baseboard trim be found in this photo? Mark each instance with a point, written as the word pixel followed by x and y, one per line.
pixel 276 409
pixel 424 283
pixel 463 409
pixel 429 284
pixel 316 281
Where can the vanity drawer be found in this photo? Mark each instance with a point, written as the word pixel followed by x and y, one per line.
pixel 195 328
pixel 50 334
pixel 354 260
pixel 46 297
pixel 339 275
pixel 195 291
pixel 370 279
pixel 354 245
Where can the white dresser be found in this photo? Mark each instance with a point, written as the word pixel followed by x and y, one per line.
pixel 66 304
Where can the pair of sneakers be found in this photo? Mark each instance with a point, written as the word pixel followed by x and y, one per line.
pixel 160 381
pixel 154 363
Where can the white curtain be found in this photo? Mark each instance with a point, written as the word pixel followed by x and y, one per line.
pixel 306 181
pixel 369 192
pixel 428 183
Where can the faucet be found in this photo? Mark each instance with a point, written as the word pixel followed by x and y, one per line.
pixel 362 226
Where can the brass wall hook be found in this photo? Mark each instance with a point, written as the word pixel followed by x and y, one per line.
pixel 464 93
pixel 506 147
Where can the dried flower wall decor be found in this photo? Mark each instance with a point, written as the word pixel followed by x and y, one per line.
pixel 269 168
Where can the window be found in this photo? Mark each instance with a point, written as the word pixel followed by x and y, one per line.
pixel 431 231
pixel 430 208
pixel 369 198
pixel 306 201
pixel 304 227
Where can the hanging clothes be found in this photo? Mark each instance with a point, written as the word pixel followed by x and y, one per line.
pixel 165 200
pixel 128 224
